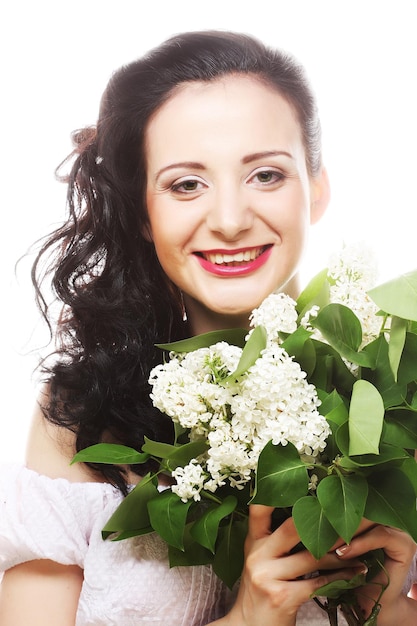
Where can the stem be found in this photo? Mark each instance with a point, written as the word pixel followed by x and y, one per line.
pixel 331 611
pixel 208 495
pixel 352 616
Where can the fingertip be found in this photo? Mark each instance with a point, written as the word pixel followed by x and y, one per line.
pixel 260 520
pixel 260 510
pixel 343 550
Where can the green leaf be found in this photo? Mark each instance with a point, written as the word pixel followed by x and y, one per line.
pixel 250 353
pixel 168 516
pixel 400 428
pixel 192 553
pixel 128 534
pixel 316 293
pixel 336 588
pixel 294 343
pixel 110 453
pixel 281 476
pixel 158 449
pixel 234 336
pixel 205 529
pixel 334 410
pixel 407 371
pixel 316 532
pixel 396 343
pixel 398 296
pixel 299 345
pixel 366 415
pixel 333 406
pixel 388 454
pixel 332 450
pixel 381 376
pixel 131 515
pixel 180 433
pixel 342 329
pixel 182 455
pixel 409 468
pixel 391 501
pixel 229 557
pixel 343 501
pixel 330 372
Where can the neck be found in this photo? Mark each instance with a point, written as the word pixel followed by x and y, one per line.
pixel 202 320
pixel 205 322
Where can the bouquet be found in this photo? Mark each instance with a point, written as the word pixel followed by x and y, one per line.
pixel 313 411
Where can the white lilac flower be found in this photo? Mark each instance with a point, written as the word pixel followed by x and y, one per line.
pixel 189 481
pixel 354 263
pixel 186 389
pixel 277 313
pixel 276 402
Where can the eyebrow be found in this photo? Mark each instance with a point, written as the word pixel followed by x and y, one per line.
pixel 266 153
pixel 195 165
pixel 199 166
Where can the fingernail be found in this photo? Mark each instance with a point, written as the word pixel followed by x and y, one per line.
pixel 342 550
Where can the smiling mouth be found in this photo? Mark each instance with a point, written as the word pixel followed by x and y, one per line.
pixel 234 259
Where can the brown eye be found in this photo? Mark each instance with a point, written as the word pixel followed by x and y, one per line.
pixel 188 185
pixel 266 177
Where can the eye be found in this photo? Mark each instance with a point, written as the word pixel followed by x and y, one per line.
pixel 266 177
pixel 187 185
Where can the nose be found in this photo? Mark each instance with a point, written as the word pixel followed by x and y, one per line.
pixel 230 213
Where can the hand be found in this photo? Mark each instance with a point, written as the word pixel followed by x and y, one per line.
pixel 400 550
pixel 272 588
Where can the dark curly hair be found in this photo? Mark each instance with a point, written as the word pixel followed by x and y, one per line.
pixel 116 300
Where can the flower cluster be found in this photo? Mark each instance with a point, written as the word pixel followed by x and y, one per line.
pixel 271 401
pixel 278 314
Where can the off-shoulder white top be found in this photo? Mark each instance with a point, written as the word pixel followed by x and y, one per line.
pixel 127 583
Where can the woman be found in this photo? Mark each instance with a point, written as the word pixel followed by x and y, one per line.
pixel 189 203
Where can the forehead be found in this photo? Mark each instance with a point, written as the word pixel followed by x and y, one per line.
pixel 234 108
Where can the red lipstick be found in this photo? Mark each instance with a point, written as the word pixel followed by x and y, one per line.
pixel 236 269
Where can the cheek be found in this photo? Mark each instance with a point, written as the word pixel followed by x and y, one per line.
pixel 169 238
pixel 158 223
pixel 288 211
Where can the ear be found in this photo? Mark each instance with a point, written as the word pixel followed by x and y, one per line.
pixel 320 195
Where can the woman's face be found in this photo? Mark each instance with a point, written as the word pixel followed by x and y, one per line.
pixel 229 198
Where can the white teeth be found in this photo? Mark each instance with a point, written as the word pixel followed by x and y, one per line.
pixel 238 257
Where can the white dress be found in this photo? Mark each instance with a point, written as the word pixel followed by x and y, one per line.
pixel 127 583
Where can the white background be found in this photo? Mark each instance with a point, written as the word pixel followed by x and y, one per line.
pixel 56 58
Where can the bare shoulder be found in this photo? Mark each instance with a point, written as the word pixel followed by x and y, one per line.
pixel 50 448
pixel 51 592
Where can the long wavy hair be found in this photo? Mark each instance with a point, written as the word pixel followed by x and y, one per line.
pixel 116 301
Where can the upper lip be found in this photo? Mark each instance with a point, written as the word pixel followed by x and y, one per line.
pixel 220 255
